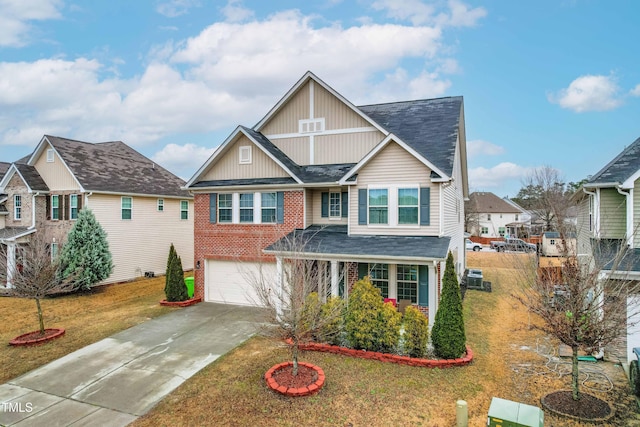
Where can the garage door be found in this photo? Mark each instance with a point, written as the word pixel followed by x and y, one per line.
pixel 232 282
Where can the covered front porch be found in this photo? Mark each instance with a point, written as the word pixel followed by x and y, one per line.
pixel 11 241
pixel 406 269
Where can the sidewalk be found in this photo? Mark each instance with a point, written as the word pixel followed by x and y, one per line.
pixel 116 380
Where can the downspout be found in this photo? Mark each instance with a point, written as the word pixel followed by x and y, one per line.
pixel 86 199
pixel 596 213
pixel 629 226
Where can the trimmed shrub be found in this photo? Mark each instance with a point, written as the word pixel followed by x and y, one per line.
pixel 361 319
pixel 174 288
pixel 388 332
pixel 416 332
pixel 447 335
pixel 332 321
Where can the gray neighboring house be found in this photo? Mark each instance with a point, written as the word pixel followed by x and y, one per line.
pixel 140 205
pixel 608 219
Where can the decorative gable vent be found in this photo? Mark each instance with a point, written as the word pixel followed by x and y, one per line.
pixel 311 125
pixel 50 156
pixel 245 154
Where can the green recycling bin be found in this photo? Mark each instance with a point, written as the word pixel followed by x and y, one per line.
pixel 505 413
pixel 189 282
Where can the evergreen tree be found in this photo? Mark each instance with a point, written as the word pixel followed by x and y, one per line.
pixel 447 335
pixel 86 257
pixel 175 288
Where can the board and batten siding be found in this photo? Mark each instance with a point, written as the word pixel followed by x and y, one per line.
pixel 229 167
pixel 453 213
pixel 394 166
pixel 613 214
pixel 344 147
pixel 142 243
pixel 296 148
pixel 285 121
pixel 55 174
pixel 336 113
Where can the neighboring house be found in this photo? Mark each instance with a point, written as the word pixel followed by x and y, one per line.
pixel 374 190
pixel 554 245
pixel 140 205
pixel 522 226
pixel 608 218
pixel 491 215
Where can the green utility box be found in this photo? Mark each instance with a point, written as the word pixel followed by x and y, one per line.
pixel 505 413
pixel 189 282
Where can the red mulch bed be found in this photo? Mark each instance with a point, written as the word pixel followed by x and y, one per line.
pixel 36 337
pixel 588 408
pixel 305 376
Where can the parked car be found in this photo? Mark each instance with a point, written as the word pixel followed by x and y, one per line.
pixel 472 246
pixel 517 245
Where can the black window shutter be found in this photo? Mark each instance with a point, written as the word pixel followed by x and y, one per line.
pixel 362 206
pixel 48 206
pixel 345 204
pixel 324 206
pixel 425 205
pixel 66 206
pixel 213 212
pixel 280 207
pixel 79 198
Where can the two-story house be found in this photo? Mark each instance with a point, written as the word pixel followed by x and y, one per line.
pixel 608 223
pixel 140 205
pixel 492 216
pixel 375 190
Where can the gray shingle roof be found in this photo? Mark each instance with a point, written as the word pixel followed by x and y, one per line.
pixel 429 126
pixel 333 240
pixel 622 167
pixel 485 202
pixel 12 232
pixel 116 167
pixel 32 177
pixel 4 167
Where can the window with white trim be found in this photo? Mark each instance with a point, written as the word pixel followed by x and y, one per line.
pixel 126 207
pixel 379 274
pixel 407 281
pixel 335 205
pixel 407 206
pixel 17 207
pixel 184 209
pixel 160 205
pixel 225 207
pixel 516 217
pixel 54 250
pixel 244 154
pixel 50 155
pixel 55 207
pixel 484 230
pixel 379 206
pixel 268 205
pixel 73 206
pixel 246 207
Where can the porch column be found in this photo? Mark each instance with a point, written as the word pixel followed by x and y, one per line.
pixel 334 278
pixel 279 287
pixel 11 263
pixel 434 298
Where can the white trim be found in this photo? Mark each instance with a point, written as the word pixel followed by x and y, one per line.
pixel 122 208
pixel 159 204
pixel 51 155
pixel 314 126
pixel 312 150
pixel 378 148
pixel 244 154
pixel 326 132
pixel 312 100
pixel 36 153
pixel 15 207
pixel 630 182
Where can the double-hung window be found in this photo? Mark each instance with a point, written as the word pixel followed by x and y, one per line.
pixel 407 206
pixel 54 251
pixel 246 207
pixel 268 203
pixel 379 206
pixel 126 207
pixel 225 207
pixel 335 204
pixel 17 207
pixel 184 209
pixel 55 207
pixel 73 206
pixel 160 205
pixel 407 280
pixel 379 274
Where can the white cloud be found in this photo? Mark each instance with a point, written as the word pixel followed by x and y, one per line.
pixel 635 91
pixel 497 176
pixel 462 16
pixel 176 157
pixel 15 16
pixel 420 13
pixel 479 147
pixel 174 8
pixel 235 12
pixel 588 93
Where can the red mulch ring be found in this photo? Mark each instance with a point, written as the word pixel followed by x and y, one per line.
pixel 36 337
pixel 305 376
pixel 588 408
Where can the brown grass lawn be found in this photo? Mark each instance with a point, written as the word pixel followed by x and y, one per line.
pixel 87 318
pixel 511 362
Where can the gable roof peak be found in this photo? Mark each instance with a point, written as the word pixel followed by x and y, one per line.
pixel 621 168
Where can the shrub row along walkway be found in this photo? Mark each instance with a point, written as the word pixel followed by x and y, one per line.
pixel 113 381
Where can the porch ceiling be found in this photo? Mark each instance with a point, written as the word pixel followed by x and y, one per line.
pixel 332 242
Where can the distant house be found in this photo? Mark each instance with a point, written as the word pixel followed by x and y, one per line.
pixel 491 215
pixel 140 205
pixel 554 245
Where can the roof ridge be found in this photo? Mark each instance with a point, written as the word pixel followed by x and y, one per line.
pixel 412 100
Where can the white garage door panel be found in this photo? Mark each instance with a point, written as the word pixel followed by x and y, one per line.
pixel 231 282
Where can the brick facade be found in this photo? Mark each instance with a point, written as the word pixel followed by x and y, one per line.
pixel 243 242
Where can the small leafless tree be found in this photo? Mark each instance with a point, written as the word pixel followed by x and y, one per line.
pixel 584 303
pixel 471 218
pixel 293 311
pixel 36 275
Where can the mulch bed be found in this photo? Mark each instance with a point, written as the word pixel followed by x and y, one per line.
pixel 588 408
pixel 286 378
pixel 32 338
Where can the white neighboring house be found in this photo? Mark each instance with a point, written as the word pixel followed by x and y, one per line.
pixel 492 215
pixel 139 204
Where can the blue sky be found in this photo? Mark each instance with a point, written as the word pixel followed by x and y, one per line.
pixel 546 83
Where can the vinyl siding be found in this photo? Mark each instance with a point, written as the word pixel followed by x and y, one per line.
pixel 584 234
pixel 296 148
pixel 395 166
pixel 344 148
pixel 636 214
pixel 142 243
pixel 229 167
pixel 613 214
pixel 453 214
pixel 336 113
pixel 55 174
pixel 317 207
pixel 286 120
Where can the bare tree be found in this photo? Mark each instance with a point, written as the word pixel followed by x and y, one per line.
pixel 583 303
pixel 294 307
pixel 37 275
pixel 471 218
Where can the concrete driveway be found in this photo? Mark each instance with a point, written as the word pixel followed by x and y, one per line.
pixel 116 380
